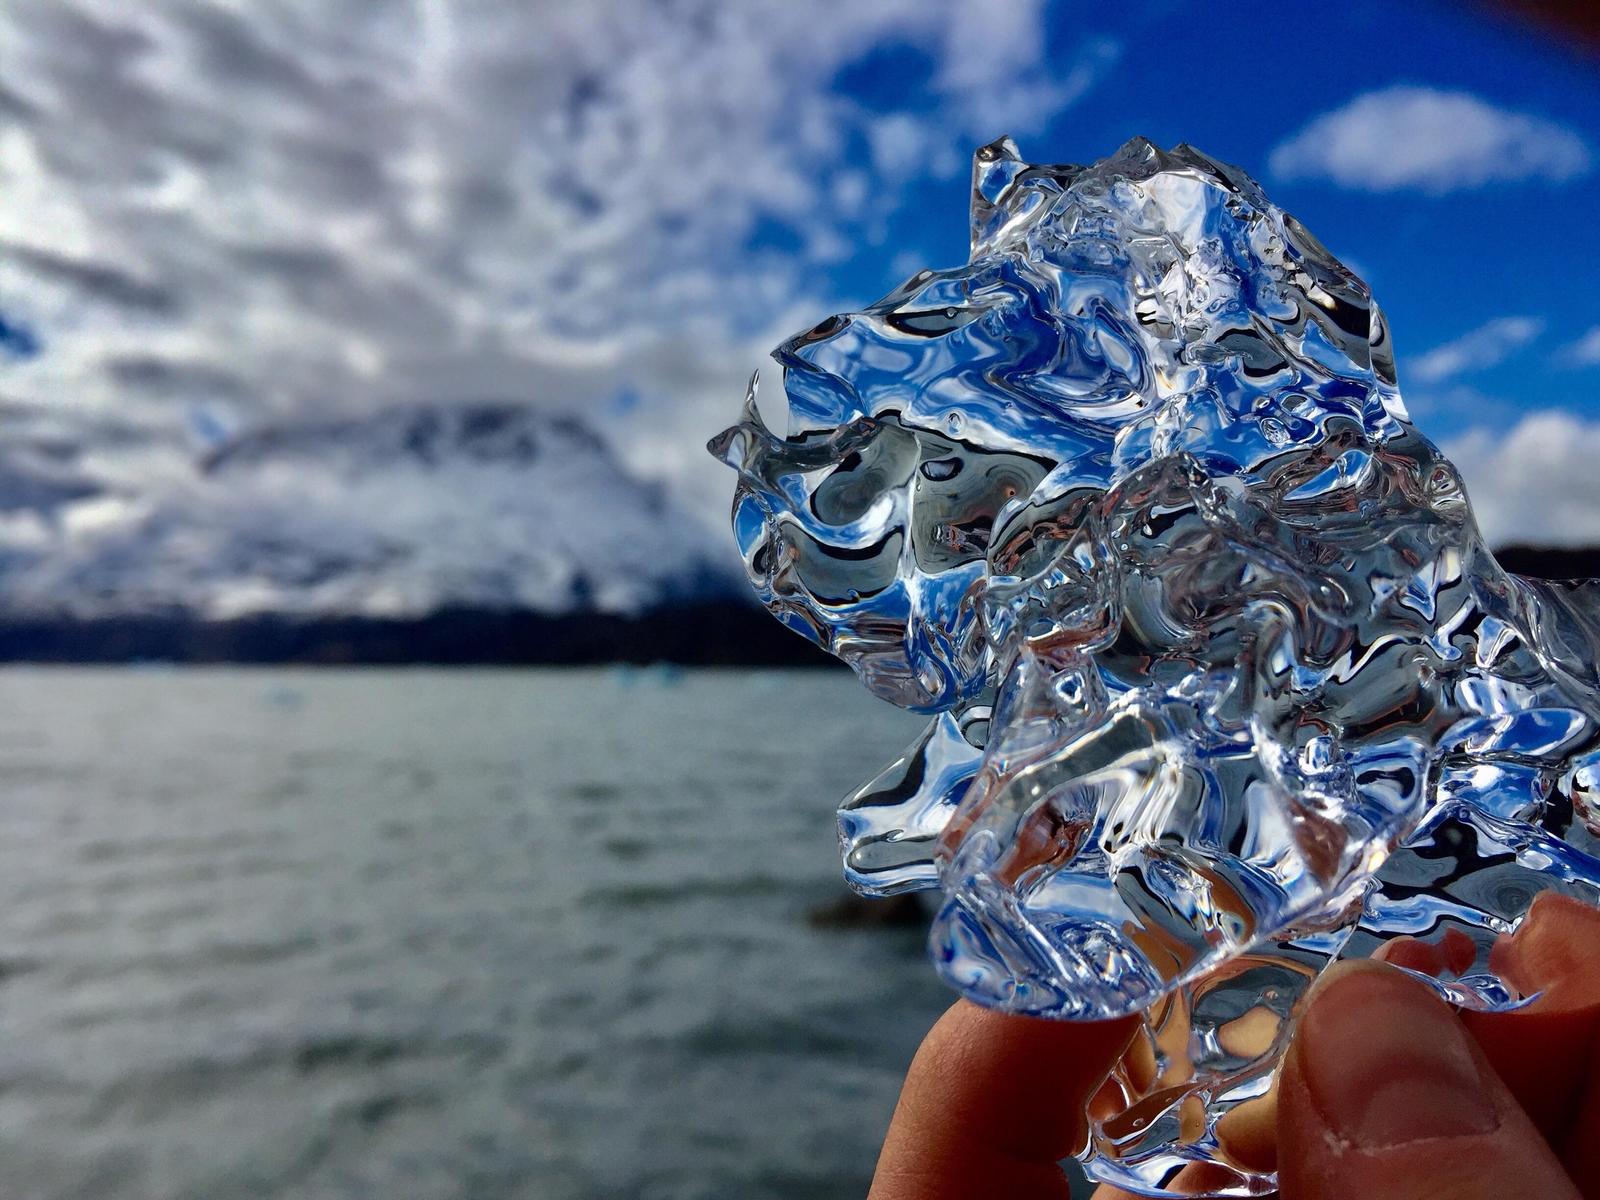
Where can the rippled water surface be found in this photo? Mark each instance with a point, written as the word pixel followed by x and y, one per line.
pixel 440 934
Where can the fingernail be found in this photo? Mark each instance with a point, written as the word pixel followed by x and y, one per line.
pixel 1386 1062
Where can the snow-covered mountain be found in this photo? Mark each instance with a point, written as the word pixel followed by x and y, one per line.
pixel 398 513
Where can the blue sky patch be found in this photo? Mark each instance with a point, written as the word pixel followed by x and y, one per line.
pixel 17 341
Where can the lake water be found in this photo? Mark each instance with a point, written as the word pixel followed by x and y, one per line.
pixel 441 934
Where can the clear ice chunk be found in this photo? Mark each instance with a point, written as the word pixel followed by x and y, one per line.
pixel 1226 683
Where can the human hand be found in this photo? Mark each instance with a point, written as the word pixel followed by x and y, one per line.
pixel 1386 1093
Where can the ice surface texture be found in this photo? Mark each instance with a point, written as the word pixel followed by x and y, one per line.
pixel 1226 683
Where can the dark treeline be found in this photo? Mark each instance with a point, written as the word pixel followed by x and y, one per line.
pixel 703 633
pixel 1551 562
pixel 710 633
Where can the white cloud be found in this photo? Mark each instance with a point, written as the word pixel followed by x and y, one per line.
pixel 992 60
pixel 280 214
pixel 1585 352
pixel 1435 141
pixel 1536 484
pixel 1486 346
pixel 899 144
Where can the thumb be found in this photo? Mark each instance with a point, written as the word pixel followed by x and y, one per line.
pixel 993 1103
pixel 1385 1095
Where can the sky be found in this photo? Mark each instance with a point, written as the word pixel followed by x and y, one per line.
pixel 288 222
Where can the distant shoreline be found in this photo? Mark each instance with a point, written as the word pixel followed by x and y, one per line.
pixel 706 633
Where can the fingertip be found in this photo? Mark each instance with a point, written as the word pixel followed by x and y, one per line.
pixel 1383 1094
pixel 1024 1082
pixel 1540 1049
pixel 1554 954
pixel 995 1101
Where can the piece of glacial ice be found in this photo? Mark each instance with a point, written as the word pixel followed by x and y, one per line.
pixel 1226 683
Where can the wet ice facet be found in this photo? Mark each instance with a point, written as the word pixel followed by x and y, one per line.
pixel 1224 681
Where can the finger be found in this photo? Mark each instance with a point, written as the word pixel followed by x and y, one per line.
pixel 993 1103
pixel 1384 1095
pixel 1453 954
pixel 1542 1050
pixel 1197 1179
pixel 1580 1149
pixel 1548 1051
